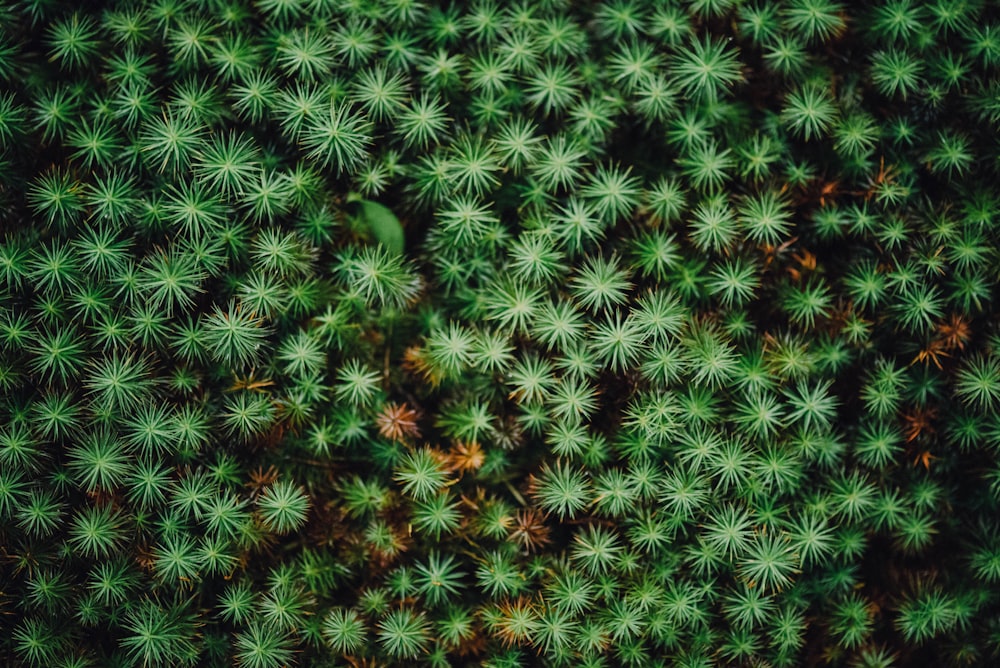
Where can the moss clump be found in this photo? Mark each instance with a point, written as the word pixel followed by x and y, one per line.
pixel 615 333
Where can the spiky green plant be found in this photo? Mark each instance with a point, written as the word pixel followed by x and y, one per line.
pixel 707 69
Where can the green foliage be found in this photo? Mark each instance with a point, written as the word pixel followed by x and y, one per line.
pixel 814 19
pixel 622 333
pixel 234 336
pixel 707 69
pixel 337 138
pixel 283 506
pixel 384 225
pixel 262 646
pixel 73 41
pixel 895 72
pixel 809 112
pixel 562 490
pixel 421 474
pixel 379 275
pixel 403 633
pixel 344 630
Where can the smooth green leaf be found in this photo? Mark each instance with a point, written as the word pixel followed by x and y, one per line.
pixel 383 224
